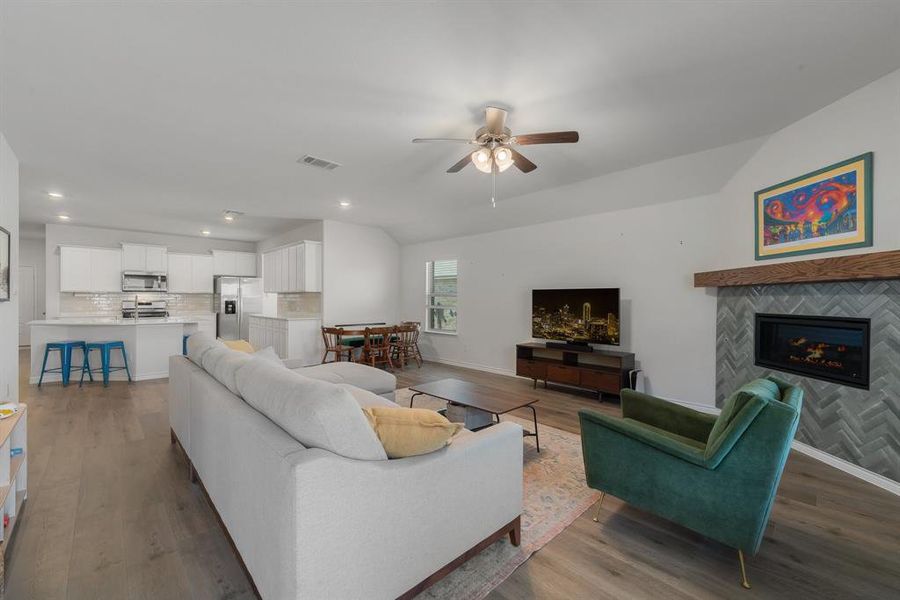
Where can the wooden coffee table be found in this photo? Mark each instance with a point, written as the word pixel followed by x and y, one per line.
pixel 463 393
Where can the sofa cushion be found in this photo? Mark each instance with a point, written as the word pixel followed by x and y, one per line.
pixel 268 354
pixel 198 344
pixel 362 376
pixel 226 366
pixel 211 358
pixel 410 431
pixel 365 398
pixel 316 413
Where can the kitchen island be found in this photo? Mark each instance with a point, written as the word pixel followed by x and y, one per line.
pixel 149 343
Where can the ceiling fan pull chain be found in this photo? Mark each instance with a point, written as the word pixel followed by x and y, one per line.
pixel 494 187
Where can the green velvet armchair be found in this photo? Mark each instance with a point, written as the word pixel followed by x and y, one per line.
pixel 714 474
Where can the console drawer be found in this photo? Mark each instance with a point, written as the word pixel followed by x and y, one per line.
pixel 531 368
pixel 563 374
pixel 601 380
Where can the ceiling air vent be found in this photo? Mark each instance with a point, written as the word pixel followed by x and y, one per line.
pixel 319 163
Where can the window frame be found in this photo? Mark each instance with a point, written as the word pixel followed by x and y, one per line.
pixel 429 295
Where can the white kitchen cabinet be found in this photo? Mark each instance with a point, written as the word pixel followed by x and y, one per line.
pixel 245 264
pixel 202 274
pixel 291 338
pixel 106 270
pixel 269 267
pixel 157 259
pixel 144 258
pixel 190 274
pixel 83 269
pixel 74 269
pixel 180 276
pixel 241 264
pixel 296 268
pixel 134 258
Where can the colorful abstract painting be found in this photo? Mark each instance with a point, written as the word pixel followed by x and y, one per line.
pixel 829 209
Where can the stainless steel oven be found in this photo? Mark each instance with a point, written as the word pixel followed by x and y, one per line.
pixel 144 282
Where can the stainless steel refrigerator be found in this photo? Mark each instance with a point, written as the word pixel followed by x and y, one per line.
pixel 236 299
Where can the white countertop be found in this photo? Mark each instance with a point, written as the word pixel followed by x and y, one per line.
pixel 296 318
pixel 108 321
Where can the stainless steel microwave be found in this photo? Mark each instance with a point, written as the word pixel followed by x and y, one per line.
pixel 144 282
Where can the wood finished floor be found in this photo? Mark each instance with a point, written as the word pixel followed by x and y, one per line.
pixel 111 515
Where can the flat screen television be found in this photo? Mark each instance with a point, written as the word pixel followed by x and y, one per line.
pixel 576 315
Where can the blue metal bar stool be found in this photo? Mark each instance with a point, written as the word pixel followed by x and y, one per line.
pixel 105 349
pixel 65 359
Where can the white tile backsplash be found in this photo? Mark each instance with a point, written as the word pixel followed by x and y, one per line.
pixel 300 304
pixel 76 305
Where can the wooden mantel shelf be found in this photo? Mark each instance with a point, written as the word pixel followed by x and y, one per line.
pixel 856 267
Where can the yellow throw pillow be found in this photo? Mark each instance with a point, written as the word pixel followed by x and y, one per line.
pixel 239 345
pixel 410 431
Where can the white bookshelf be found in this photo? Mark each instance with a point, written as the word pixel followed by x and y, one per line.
pixel 13 479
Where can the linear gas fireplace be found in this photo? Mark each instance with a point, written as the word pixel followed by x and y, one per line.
pixel 833 349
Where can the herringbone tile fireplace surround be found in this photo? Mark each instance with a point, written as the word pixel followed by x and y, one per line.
pixel 857 425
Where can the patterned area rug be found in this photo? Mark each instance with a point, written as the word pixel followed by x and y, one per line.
pixel 555 495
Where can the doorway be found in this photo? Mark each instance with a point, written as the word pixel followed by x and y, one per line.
pixel 27 306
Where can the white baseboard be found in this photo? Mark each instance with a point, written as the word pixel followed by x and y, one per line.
pixel 875 479
pixel 117 376
pixel 466 365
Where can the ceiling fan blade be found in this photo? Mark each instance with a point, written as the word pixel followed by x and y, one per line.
pixel 452 140
pixel 462 163
pixel 522 163
pixel 495 119
pixel 552 137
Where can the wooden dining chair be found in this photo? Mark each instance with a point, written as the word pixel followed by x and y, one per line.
pixel 404 348
pixel 377 346
pixel 414 345
pixel 333 337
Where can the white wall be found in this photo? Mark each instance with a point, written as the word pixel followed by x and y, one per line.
pixel 112 238
pixel 9 311
pixel 311 231
pixel 649 252
pixel 361 275
pixel 31 253
pixel 866 120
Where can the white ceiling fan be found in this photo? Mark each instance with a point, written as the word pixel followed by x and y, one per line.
pixel 495 141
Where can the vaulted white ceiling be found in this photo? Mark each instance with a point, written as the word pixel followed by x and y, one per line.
pixel 158 116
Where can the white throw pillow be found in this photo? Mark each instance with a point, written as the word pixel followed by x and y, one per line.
pixel 199 344
pixel 317 414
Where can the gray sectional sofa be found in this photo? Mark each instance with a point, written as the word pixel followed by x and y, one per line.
pixel 302 485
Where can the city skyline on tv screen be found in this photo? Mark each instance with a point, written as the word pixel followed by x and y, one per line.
pixel 580 315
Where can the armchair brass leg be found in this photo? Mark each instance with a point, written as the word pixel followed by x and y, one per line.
pixel 599 505
pixel 745 583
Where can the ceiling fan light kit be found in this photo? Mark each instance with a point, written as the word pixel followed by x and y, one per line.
pixel 496 153
pixel 502 158
pixel 482 160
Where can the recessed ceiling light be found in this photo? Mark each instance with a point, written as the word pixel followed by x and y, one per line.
pixel 63 217
pixel 344 203
pixel 205 232
pixel 55 195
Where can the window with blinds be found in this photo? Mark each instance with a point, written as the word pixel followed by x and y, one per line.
pixel 441 282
